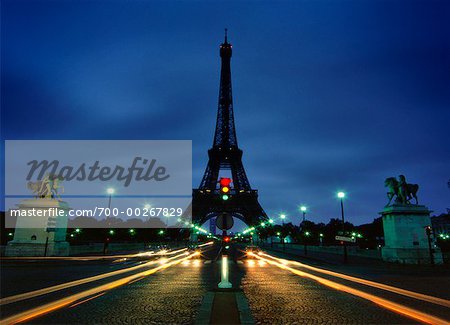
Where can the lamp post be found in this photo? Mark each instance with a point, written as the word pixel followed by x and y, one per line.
pixel 303 209
pixel 430 249
pixel 305 243
pixel 110 191
pixel 282 217
pixel 341 195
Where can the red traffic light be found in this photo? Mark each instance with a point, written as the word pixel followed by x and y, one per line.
pixel 226 239
pixel 225 181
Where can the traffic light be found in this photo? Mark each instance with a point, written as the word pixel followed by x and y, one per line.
pixel 225 188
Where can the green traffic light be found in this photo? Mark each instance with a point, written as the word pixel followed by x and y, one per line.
pixel 225 197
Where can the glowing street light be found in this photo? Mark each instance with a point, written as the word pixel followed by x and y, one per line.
pixel 271 221
pixel 341 196
pixel 283 216
pixel 110 191
pixel 303 210
pixel 305 244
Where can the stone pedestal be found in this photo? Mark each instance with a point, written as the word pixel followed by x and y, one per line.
pixel 405 237
pixel 40 222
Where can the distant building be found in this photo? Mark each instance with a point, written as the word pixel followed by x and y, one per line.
pixel 441 224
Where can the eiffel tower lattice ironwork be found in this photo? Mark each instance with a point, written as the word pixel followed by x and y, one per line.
pixel 226 155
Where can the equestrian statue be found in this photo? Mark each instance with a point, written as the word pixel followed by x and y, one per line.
pixel 401 190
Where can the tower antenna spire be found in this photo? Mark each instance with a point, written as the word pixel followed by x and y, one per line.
pixel 225 155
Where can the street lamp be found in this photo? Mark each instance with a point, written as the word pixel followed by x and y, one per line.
pixel 303 210
pixel 341 195
pixel 283 216
pixel 110 191
pixel 305 244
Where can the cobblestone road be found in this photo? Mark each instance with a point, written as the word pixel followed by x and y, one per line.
pixel 172 296
pixel 279 297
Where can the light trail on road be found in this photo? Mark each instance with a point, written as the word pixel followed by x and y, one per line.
pixel 206 244
pixel 39 292
pixel 60 303
pixel 404 292
pixel 390 305
pixel 96 258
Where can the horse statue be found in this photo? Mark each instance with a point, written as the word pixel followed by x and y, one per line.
pixel 401 190
pixel 48 187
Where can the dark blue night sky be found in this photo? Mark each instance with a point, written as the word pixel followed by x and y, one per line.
pixel 328 95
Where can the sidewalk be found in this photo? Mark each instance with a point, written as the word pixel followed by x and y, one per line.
pixel 427 279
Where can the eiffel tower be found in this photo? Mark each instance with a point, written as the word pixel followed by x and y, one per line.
pixel 226 155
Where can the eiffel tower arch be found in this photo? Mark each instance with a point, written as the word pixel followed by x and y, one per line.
pixel 225 154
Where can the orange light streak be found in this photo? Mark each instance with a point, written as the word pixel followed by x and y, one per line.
pixel 411 294
pixel 52 306
pixel 390 305
pixel 39 292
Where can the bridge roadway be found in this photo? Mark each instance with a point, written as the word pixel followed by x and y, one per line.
pixel 178 292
